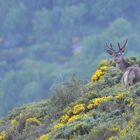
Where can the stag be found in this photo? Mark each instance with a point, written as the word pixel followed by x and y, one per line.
pixel 131 73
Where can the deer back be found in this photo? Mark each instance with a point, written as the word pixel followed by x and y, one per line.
pixel 131 76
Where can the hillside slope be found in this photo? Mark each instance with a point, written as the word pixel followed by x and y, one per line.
pixel 104 110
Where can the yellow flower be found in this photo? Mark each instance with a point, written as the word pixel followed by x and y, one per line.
pixel 14 123
pixel 120 96
pixel 3 136
pixel 33 121
pixel 58 125
pixel 97 75
pixel 103 68
pixel 64 119
pixel 97 101
pixel 74 118
pixel 91 106
pixel 131 124
pixel 111 138
pixel 123 132
pixel 44 137
pixel 78 108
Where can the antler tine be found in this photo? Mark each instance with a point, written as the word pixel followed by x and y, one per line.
pixel 109 46
pixel 119 46
pixel 125 43
pixel 112 47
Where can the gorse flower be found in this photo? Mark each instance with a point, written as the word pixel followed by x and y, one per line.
pixel 78 108
pixel 103 68
pixel 97 75
pixel 3 136
pixel 64 119
pixel 58 125
pixel 97 101
pixel 14 123
pixel 44 137
pixel 112 138
pixel 73 118
pixel 33 121
pixel 120 96
pixel 131 124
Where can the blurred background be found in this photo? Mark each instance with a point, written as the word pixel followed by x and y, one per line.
pixel 44 42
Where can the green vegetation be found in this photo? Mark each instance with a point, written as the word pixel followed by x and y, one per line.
pixel 45 42
pixel 102 109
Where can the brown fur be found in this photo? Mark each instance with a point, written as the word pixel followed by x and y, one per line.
pixel 131 76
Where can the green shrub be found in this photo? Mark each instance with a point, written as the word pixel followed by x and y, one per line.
pixel 63 95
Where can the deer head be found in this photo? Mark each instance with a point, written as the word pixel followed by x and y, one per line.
pixel 117 55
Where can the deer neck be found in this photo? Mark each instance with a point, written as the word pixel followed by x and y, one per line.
pixel 123 65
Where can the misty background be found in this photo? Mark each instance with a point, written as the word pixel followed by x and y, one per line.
pixel 45 42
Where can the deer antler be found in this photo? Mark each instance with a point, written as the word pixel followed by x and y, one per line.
pixel 125 43
pixel 119 46
pixel 110 49
pixel 122 49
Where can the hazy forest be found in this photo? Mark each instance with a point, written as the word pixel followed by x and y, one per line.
pixel 43 43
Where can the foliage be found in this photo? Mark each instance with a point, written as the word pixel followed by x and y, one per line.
pixel 64 94
pixel 104 111
pixel 37 41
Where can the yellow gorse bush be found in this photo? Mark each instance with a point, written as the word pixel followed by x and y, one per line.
pixel 131 124
pixel 14 123
pixel 78 108
pixel 112 138
pixel 3 136
pixel 33 120
pixel 64 118
pixel 97 101
pixel 58 125
pixel 103 66
pixel 97 75
pixel 44 137
pixel 77 111
pixel 120 96
pixel 74 118
pixel 123 132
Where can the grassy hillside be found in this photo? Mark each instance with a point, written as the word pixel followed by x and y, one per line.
pixel 102 109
